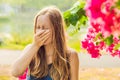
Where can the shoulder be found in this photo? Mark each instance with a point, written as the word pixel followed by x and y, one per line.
pixel 74 64
pixel 73 55
pixel 27 46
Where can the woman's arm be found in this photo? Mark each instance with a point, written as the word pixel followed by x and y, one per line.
pixel 74 64
pixel 20 65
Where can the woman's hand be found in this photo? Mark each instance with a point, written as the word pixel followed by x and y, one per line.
pixel 41 37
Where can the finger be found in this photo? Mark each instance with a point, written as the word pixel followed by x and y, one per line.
pixel 45 33
pixel 40 32
pixel 44 37
pixel 45 40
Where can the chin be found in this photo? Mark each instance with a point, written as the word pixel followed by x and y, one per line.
pixel 46 43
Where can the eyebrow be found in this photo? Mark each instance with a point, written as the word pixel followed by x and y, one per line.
pixel 42 27
pixel 38 26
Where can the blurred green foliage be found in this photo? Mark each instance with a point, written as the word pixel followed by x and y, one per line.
pixel 16 30
pixel 38 4
pixel 118 4
pixel 75 16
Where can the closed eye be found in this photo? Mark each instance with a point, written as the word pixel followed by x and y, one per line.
pixel 38 27
pixel 43 27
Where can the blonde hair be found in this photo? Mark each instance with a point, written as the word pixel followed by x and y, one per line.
pixel 60 69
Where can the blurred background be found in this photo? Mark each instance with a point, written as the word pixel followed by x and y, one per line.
pixel 16 31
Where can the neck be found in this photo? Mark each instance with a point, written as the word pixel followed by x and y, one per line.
pixel 49 50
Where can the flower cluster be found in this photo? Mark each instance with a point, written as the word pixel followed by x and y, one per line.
pixel 103 33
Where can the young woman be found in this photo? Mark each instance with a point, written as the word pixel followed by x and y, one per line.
pixel 48 57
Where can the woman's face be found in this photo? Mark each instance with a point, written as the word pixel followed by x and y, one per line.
pixel 43 23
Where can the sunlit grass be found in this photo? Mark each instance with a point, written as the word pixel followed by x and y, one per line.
pixel 4 77
pixel 85 73
pixel 7 78
pixel 89 74
pixel 4 19
pixel 12 47
pixel 75 44
pixel 100 74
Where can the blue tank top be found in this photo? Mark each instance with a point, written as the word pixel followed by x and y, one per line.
pixel 34 78
pixel 30 77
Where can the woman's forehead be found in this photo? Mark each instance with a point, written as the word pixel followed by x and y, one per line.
pixel 43 20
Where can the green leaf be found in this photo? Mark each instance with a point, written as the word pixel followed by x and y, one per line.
pixel 75 7
pixel 67 14
pixel 75 15
pixel 73 19
pixel 118 4
pixel 117 47
pixel 109 40
pixel 83 20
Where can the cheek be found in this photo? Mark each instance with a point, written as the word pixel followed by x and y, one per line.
pixel 37 30
pixel 50 37
pixel 51 34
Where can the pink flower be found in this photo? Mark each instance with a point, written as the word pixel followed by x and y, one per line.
pixel 108 22
pixel 101 45
pixel 23 77
pixel 110 48
pixel 96 27
pixel 93 8
pixel 104 18
pixel 95 54
pixel 117 52
pixel 93 50
pixel 84 44
pixel 116 40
